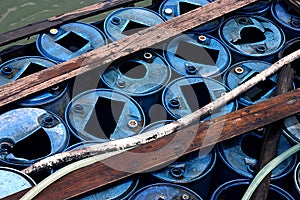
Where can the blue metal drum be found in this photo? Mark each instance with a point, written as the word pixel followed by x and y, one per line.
pixel 257 8
pixel 291 128
pixel 164 191
pixel 252 37
pixel 235 189
pixel 126 21
pixel 197 54
pixel 297 181
pixel 243 71
pixel 30 134
pixel 173 8
pixel 69 41
pixel 239 158
pixel 187 94
pixel 54 99
pixel 142 76
pixel 287 17
pixel 193 171
pixel 120 190
pixel 290 47
pixel 13 181
pixel 104 115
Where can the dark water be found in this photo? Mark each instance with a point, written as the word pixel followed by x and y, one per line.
pixel 17 13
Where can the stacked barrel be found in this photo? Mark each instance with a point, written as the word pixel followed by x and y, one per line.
pixel 151 88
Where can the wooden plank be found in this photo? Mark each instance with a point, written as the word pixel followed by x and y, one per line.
pixel 104 55
pixel 167 149
pixel 32 29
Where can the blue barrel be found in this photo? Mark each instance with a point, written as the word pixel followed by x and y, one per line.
pixel 287 17
pixel 13 181
pixel 54 99
pixel 197 54
pixel 291 128
pixel 193 171
pixel 240 72
pixel 187 94
pixel 119 190
pixel 69 41
pixel 290 47
pixel 239 158
pixel 173 8
pixel 126 21
pixel 297 182
pixel 252 37
pixel 235 189
pixel 142 76
pixel 164 191
pixel 28 135
pixel 257 8
pixel 104 114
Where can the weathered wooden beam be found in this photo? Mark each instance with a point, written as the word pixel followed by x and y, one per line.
pixel 104 55
pixel 169 148
pixel 32 29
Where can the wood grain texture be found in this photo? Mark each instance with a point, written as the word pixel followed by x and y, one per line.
pixel 106 54
pixel 32 29
pixel 167 149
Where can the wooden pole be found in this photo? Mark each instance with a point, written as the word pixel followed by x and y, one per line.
pixel 273 133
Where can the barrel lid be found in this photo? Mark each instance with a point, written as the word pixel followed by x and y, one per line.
pixel 13 181
pixel 197 54
pixel 126 21
pixel 252 36
pixel 69 41
pixel 141 74
pixel 241 154
pixel 164 191
pixel 103 115
pixel 187 94
pixel 119 190
pixel 30 134
pixel 240 72
pixel 286 15
pixel 23 66
pixel 173 8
